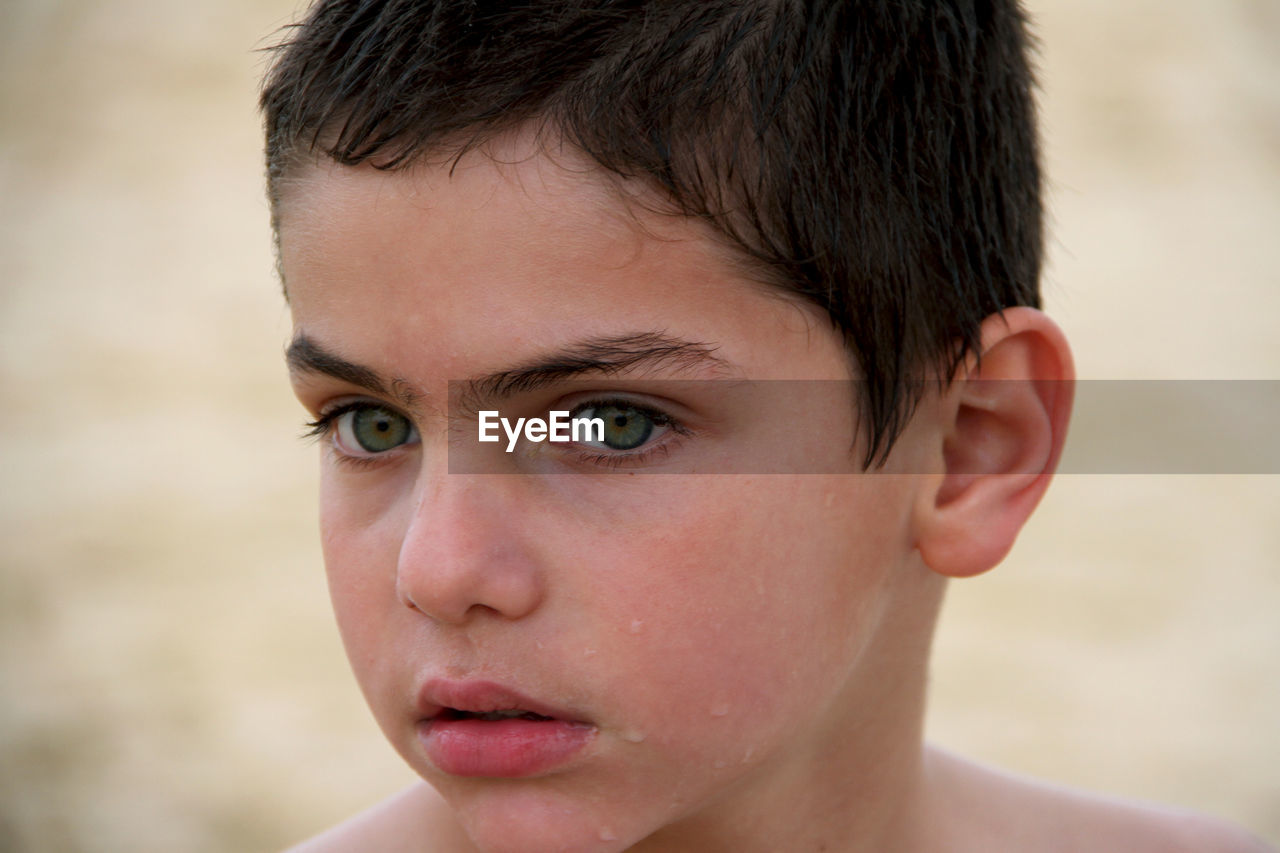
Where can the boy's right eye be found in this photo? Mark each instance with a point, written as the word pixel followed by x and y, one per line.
pixel 365 429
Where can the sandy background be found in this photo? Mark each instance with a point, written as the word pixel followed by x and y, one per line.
pixel 169 675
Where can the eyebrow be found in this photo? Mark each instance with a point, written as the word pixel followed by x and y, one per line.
pixel 305 355
pixel 604 355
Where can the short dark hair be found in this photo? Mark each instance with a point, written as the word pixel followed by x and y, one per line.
pixel 877 157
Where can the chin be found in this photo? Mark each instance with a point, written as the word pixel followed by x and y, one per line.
pixel 506 816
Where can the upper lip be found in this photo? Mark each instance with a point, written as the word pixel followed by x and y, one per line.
pixel 481 697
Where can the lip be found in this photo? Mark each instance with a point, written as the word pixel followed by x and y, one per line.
pixel 509 748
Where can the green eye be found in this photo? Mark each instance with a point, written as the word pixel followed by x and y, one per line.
pixel 625 427
pixel 372 429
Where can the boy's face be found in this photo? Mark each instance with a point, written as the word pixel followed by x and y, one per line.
pixel 707 643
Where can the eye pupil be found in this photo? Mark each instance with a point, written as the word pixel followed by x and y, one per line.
pixel 378 430
pixel 626 427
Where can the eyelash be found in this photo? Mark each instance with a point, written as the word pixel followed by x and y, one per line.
pixel 321 429
pixel 648 453
pixel 321 426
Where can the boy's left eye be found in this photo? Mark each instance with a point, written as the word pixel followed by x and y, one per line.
pixel 367 430
pixel 626 427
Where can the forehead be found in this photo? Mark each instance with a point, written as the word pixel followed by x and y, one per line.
pixel 510 200
pixel 509 251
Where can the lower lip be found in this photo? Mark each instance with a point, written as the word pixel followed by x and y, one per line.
pixel 502 748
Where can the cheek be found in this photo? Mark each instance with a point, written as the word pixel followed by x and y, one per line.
pixel 745 605
pixel 361 529
pixel 363 518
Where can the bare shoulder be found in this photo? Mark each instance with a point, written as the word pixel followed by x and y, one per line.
pixel 991 809
pixel 416 820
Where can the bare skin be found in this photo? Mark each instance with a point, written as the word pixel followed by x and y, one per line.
pixel 748 651
pixel 976 810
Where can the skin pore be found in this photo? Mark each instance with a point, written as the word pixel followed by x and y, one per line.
pixel 748 650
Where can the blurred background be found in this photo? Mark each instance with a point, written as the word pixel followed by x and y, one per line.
pixel 170 677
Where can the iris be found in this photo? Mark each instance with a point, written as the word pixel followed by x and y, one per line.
pixel 625 427
pixel 377 430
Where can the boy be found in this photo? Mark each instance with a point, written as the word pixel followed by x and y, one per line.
pixel 787 250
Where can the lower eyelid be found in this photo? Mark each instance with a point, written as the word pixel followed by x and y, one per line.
pixel 653 451
pixel 359 463
pixel 364 461
pixel 624 459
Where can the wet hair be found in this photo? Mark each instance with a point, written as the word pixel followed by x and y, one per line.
pixel 877 157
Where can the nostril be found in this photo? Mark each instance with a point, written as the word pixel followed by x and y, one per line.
pixel 454 566
pixel 439 614
pixel 407 599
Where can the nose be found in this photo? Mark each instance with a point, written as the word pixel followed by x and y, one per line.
pixel 464 553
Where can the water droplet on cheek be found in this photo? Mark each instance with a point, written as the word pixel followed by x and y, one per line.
pixel 720 709
pixel 633 736
pixel 607 834
pixel 586 653
pixel 637 625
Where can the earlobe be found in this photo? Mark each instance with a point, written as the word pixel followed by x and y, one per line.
pixel 1004 423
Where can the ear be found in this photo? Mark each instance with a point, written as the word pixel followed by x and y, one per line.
pixel 1004 421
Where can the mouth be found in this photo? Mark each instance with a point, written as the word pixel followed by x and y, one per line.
pixel 475 728
pixel 491 716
